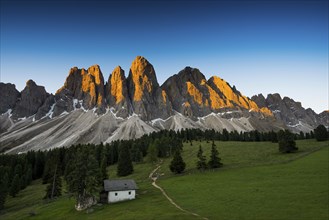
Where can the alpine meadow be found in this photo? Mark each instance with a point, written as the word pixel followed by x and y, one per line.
pixel 190 109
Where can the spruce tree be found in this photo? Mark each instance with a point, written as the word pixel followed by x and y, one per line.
pixel 15 186
pixel 103 171
pixel 125 165
pixel 287 142
pixel 177 164
pixel 4 181
pixel 82 175
pixel 28 175
pixel 136 154
pixel 54 188
pixel 321 133
pixel 201 164
pixel 214 161
pixel 152 153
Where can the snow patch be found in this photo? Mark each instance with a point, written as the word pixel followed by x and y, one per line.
pixel 296 125
pixel 276 111
pixel 8 112
pixel 75 102
pixel 64 113
pixel 51 112
pixel 133 115
pixel 211 114
pixel 114 113
pixel 80 102
pixel 159 119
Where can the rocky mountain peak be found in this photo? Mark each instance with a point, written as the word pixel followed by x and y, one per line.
pixel 117 92
pixel 32 98
pixel 95 71
pixel 86 85
pixel 9 96
pixel 145 94
pixel 260 100
pixel 142 78
pixel 189 74
pixel 117 80
pixel 30 83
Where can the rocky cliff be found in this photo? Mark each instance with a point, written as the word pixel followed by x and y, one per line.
pixel 148 100
pixel 290 112
pixel 88 110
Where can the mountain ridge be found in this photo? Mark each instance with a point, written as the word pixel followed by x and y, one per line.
pixel 127 107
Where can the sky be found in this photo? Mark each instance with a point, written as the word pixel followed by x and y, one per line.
pixel 258 46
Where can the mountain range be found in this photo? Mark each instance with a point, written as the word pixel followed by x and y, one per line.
pixel 88 109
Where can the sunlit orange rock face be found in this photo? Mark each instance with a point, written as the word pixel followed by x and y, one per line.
pixel 189 90
pixel 86 85
pixel 117 92
pixel 194 92
pixel 117 80
pixel 95 71
pixel 143 77
pixel 147 98
pixel 164 96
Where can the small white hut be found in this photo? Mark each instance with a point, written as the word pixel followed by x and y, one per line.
pixel 119 190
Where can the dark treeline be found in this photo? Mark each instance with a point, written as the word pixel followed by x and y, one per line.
pixel 87 163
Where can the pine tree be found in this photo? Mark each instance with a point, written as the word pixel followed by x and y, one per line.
pixel 82 175
pixel 54 188
pixel 177 164
pixel 321 133
pixel 15 186
pixel 152 153
pixel 136 154
pixel 287 142
pixel 125 165
pixel 201 164
pixel 4 181
pixel 28 175
pixel 214 161
pixel 103 171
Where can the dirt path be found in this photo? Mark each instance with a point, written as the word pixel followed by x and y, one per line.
pixel 154 179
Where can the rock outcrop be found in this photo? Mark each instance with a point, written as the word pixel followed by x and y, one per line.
pixel 148 100
pixel 9 96
pixel 117 93
pixel 293 115
pixel 85 110
pixel 193 96
pixel 32 98
pixel 86 85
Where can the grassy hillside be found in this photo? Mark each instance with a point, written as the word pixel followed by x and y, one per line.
pixel 296 190
pixel 256 182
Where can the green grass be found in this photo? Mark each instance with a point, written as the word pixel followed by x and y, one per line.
pixel 296 190
pixel 149 204
pixel 243 154
pixel 256 182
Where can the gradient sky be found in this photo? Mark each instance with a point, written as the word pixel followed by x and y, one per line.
pixel 258 46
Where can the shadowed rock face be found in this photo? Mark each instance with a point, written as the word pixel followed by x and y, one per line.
pixel 32 98
pixel 289 111
pixel 147 98
pixel 9 96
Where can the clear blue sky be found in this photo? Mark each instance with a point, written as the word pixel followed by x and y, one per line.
pixel 259 46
